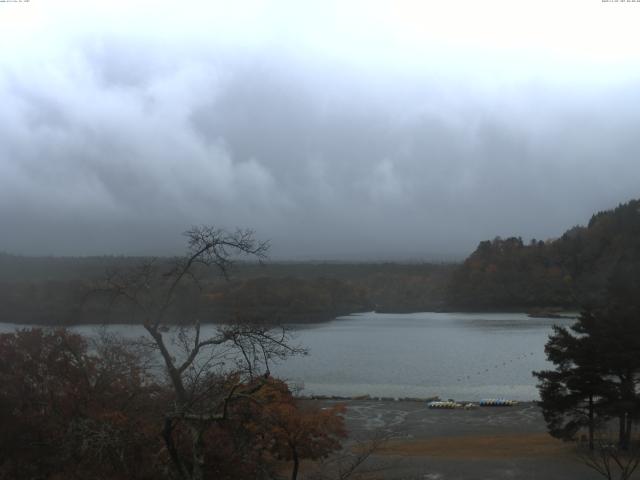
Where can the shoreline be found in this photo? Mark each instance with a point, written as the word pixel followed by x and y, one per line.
pixel 372 398
pixel 323 318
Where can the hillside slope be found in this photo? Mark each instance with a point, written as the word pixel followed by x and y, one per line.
pixel 568 272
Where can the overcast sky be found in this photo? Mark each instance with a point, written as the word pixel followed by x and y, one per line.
pixel 366 130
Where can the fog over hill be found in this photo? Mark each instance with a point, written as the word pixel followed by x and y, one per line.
pixel 336 131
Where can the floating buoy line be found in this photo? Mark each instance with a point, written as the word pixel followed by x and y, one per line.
pixel 495 367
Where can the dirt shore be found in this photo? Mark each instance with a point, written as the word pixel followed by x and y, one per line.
pixel 491 443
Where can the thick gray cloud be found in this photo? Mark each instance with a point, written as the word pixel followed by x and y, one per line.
pixel 114 142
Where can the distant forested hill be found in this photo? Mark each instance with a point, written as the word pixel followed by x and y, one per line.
pixel 568 272
pixel 502 274
pixel 50 290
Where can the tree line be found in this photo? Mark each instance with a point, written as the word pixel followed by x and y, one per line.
pixel 501 274
pixel 286 292
pixel 567 272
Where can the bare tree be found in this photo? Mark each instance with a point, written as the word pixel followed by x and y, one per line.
pixel 611 461
pixel 197 365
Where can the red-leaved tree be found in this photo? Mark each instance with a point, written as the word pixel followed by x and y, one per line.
pixel 68 411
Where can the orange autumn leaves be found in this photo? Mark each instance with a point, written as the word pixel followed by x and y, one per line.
pixel 74 409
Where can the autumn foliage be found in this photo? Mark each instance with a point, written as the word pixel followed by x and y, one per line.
pixel 65 410
pixel 70 408
pixel 566 272
pixel 292 431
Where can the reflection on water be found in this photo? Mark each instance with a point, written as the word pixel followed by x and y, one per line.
pixel 466 356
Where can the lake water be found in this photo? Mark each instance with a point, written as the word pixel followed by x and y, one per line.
pixel 466 356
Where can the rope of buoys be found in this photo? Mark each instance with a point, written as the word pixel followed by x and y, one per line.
pixel 496 366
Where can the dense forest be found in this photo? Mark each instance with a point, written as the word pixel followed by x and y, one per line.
pixel 501 274
pixel 571 271
pixel 50 290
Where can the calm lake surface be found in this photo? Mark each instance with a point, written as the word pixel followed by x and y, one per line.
pixel 465 356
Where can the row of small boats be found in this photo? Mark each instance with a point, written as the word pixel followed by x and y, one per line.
pixel 487 402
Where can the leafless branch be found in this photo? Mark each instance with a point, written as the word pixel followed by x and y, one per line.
pixel 202 393
pixel 607 459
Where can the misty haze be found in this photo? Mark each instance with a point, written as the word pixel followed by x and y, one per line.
pixel 319 240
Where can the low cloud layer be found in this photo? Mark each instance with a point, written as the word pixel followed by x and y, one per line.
pixel 115 142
